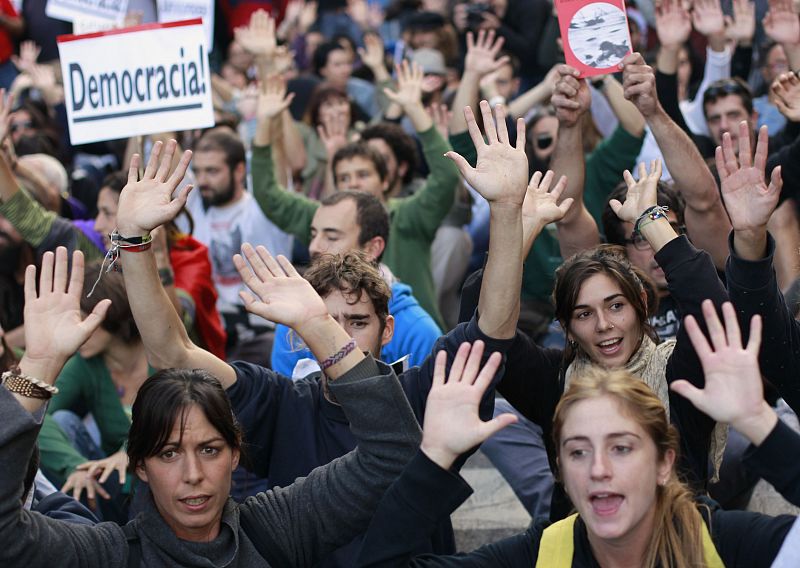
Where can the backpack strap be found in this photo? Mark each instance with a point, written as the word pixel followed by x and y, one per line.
pixel 134 545
pixel 557 545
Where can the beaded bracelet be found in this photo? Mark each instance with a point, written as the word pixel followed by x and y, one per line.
pixel 17 382
pixel 651 214
pixel 339 355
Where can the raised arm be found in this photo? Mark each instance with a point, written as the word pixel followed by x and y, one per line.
pixel 706 220
pixel 782 26
pixel 500 176
pixel 572 99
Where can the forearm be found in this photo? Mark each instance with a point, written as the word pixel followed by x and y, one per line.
pixel 626 112
pixel 466 96
pixel 162 331
pixel 499 302
pixel 526 101
pixel 658 233
pixel 293 143
pixel 793 55
pixel 419 117
pixel 580 233
pixel 705 216
pixel 667 59
pixel 785 227
pixel 567 160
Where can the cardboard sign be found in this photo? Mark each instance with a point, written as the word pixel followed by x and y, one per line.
pixel 140 80
pixel 595 34
pixel 71 10
pixel 177 10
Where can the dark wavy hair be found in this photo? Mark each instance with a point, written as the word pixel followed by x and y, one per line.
pixel 164 401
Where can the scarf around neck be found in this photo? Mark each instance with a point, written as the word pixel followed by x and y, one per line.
pixel 649 364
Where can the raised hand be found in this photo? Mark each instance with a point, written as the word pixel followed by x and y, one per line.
pixel 785 92
pixel 733 391
pixel 541 205
pixel 258 37
pixel 742 25
pixel 571 97
pixel 748 199
pixel 54 326
pixel 482 53
pixel 333 132
pixel 409 86
pixel 452 425
pixel 272 98
pixel 147 203
pixel 372 54
pixel 441 116
pixel 708 18
pixel 673 24
pixel 28 55
pixel 781 24
pixel 641 194
pixel 501 172
pixel 639 84
pixel 281 294
pixel 307 16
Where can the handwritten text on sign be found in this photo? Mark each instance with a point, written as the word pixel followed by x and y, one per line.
pixel 140 80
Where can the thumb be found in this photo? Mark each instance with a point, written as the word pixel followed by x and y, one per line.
pixel 565 205
pixel 461 163
pixel 615 205
pixel 390 93
pixel 94 319
pixel 776 181
pixel 688 391
pixel 493 426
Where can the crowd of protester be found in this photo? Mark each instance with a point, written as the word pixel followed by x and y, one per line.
pixel 414 231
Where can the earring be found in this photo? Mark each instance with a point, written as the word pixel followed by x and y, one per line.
pixel 573 343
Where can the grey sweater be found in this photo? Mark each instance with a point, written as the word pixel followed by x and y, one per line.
pixel 300 523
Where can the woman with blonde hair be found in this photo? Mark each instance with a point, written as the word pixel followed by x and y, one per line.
pixel 616 457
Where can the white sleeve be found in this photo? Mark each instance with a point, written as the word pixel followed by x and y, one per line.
pixel 718 66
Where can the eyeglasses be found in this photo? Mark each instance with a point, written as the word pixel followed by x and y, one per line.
pixel 640 243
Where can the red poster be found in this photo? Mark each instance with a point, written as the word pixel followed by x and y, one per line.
pixel 595 34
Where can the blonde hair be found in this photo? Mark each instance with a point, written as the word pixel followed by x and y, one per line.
pixel 676 541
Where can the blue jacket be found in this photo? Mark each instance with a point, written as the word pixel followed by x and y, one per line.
pixel 415 332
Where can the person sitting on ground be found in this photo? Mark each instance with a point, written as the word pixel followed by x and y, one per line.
pixel 616 453
pixel 185 443
pixel 294 426
pixel 355 221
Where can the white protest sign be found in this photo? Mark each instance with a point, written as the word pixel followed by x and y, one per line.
pixel 176 10
pixel 71 10
pixel 140 80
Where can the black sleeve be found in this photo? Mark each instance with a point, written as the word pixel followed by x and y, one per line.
pixel 256 397
pixel 776 461
pixel 522 27
pixel 741 61
pixel 746 539
pixel 788 158
pixel 753 289
pixel 692 278
pixel 410 510
pixel 667 89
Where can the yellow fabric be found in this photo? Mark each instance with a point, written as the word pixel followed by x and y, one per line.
pixel 557 546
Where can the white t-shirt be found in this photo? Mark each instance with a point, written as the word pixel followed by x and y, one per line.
pixel 223 229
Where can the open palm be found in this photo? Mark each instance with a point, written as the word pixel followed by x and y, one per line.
pixel 642 194
pixel 409 85
pixel 281 294
pixel 148 203
pixel 501 173
pixel 781 23
pixel 707 17
pixel 541 206
pixel 452 424
pixel 258 37
pixel 54 324
pixel 482 53
pixel 673 24
pixel 748 199
pixel 733 387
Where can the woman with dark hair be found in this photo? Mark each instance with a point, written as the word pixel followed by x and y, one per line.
pixel 185 444
pixel 616 456
pixel 101 379
pixel 602 302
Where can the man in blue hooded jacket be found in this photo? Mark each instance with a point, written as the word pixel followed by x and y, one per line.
pixel 348 221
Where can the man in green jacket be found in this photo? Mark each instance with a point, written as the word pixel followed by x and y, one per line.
pixel 413 220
